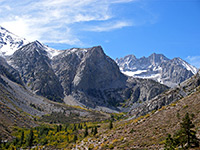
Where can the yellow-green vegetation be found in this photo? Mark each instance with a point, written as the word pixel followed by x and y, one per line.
pixel 57 135
pixel 145 132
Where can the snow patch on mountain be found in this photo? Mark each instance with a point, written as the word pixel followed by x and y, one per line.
pixel 10 42
pixel 132 73
pixel 50 51
pixel 157 67
pixel 189 67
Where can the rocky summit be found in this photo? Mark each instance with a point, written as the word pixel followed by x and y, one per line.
pixel 170 72
pixel 78 76
pixel 88 77
pixel 35 69
pixel 91 78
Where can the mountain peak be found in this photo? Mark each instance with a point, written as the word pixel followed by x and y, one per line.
pixel 183 63
pixel 37 44
pixel 158 56
pixel 157 67
pixel 10 42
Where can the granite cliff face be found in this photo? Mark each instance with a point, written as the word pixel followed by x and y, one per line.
pixel 9 72
pixel 35 69
pixel 85 69
pixel 157 67
pixel 93 79
pixel 86 77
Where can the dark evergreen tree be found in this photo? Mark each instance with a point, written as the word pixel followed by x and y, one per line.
pixel 66 126
pixel 30 138
pixel 60 127
pixel 185 137
pixel 86 131
pixel 95 130
pixel 186 134
pixel 92 130
pixel 112 117
pixel 57 128
pixel 74 127
pixel 81 127
pixel 110 125
pixel 22 139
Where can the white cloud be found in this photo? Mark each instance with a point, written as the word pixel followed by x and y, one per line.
pixel 194 60
pixel 53 21
pixel 109 26
pixel 122 1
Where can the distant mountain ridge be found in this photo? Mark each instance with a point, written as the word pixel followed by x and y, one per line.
pixel 88 77
pixel 170 72
pixel 76 76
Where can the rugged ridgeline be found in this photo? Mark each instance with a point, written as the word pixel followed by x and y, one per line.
pixel 182 90
pixel 91 78
pixel 18 106
pixel 84 77
pixel 34 66
pixel 170 72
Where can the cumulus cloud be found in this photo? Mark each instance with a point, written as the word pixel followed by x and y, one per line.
pixel 194 60
pixel 53 21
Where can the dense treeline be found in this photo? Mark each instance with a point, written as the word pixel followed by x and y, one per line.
pixel 50 135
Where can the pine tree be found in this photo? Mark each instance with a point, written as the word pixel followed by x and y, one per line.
pixel 66 126
pixel 57 128
pixel 22 139
pixel 184 137
pixel 95 130
pixel 86 131
pixel 60 127
pixel 30 138
pixel 74 127
pixel 92 131
pixel 186 131
pixel 81 127
pixel 110 125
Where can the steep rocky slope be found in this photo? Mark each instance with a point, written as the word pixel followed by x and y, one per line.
pixel 9 72
pixel 35 69
pixel 149 131
pixel 182 90
pixel 18 107
pixel 157 67
pixel 91 78
pixel 84 77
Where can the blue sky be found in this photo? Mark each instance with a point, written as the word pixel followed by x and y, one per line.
pixel 121 27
